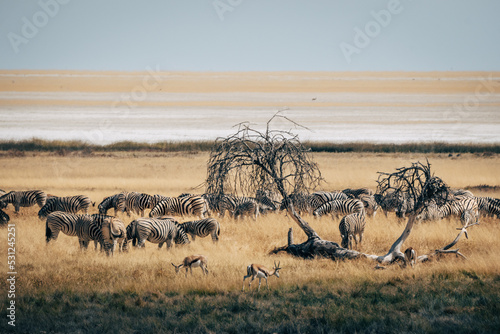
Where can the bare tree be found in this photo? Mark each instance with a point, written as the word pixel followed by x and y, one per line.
pixel 250 160
pixel 276 160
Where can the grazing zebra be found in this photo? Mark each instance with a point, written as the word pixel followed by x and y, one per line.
pixel 488 206
pixel 23 199
pixel 4 218
pixel 202 228
pixel 247 209
pixel 89 227
pixel 156 230
pixel 342 207
pixel 370 204
pixel 351 225
pixel 268 198
pixel 457 208
pixel 301 203
pixel 71 204
pixel 158 198
pixel 356 193
pixel 321 197
pixel 113 233
pixel 116 202
pixel 138 202
pixel 185 206
pixel 60 222
pixel 406 204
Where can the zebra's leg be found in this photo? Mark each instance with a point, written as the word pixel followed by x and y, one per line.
pixel 160 245
pixel 169 243
pixel 16 206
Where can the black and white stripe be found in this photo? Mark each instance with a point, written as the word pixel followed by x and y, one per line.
pixel 156 230
pixel 60 222
pixel 117 202
pixel 340 207
pixel 301 203
pixel 458 207
pixel 351 225
pixel 114 234
pixel 89 227
pixel 488 206
pixel 202 228
pixel 70 204
pixel 4 218
pixel 137 202
pixel 185 206
pixel 23 199
pixel 319 198
pixel 248 208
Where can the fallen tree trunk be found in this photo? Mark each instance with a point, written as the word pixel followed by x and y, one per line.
pixel 314 246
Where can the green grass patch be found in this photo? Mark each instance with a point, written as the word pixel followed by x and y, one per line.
pixel 462 302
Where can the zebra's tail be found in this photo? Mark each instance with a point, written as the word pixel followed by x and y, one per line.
pixel 48 232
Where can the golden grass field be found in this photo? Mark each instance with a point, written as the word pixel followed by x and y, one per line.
pixel 241 242
pixel 61 269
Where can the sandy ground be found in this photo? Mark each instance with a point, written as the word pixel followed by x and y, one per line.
pixel 104 107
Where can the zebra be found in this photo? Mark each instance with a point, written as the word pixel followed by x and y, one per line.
pixel 488 206
pixel 192 206
pixel 4 218
pixel 71 204
pixel 247 208
pixel 116 201
pixel 370 204
pixel 23 199
pixel 138 202
pixel 351 225
pixel 268 198
pixel 458 207
pixel 113 233
pixel 156 230
pixel 301 203
pixel 342 207
pixel 202 228
pixel 60 222
pixel 321 197
pixel 89 227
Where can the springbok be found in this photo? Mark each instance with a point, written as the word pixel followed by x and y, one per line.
pixel 259 271
pixel 410 256
pixel 191 262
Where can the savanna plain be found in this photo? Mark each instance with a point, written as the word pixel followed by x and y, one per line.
pixel 61 289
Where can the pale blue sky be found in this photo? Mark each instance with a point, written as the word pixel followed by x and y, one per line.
pixel 250 35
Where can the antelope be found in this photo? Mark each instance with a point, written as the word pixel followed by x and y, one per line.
pixel 410 256
pixel 257 270
pixel 191 262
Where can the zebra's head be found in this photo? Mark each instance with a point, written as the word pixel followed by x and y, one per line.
pixel 345 240
pixel 181 238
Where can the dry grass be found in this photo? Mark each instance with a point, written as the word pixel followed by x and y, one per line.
pixel 61 278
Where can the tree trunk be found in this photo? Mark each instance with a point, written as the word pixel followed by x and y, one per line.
pixel 314 246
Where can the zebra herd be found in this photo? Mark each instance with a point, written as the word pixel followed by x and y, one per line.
pixel 161 226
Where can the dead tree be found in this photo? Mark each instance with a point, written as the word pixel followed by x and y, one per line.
pixel 276 160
